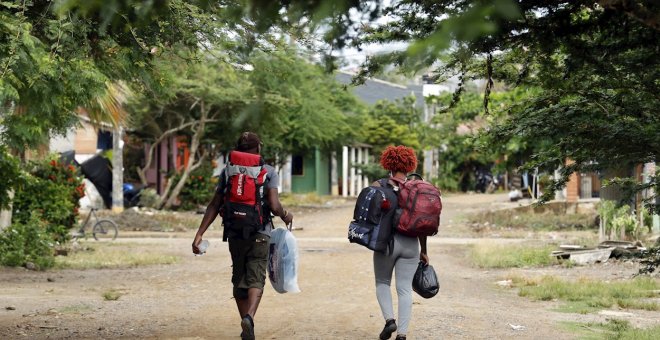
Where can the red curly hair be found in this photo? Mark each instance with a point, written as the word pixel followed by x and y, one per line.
pixel 398 158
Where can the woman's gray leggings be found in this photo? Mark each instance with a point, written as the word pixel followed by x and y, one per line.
pixel 404 260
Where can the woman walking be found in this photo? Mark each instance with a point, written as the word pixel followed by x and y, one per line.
pixel 404 255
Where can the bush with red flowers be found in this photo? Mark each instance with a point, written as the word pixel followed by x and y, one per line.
pixel 199 188
pixel 53 190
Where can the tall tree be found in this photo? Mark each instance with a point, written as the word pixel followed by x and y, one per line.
pixel 594 62
pixel 290 102
pixel 203 95
pixel 301 106
pixel 58 55
pixel 391 123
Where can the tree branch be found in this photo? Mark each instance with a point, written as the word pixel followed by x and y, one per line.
pixel 152 149
pixel 634 9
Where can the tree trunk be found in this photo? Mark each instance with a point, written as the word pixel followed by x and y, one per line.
pixel 117 172
pixel 142 172
pixel 5 215
pixel 170 199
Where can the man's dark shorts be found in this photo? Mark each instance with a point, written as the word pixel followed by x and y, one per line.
pixel 250 259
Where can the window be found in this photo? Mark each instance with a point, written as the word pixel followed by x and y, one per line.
pixel 297 165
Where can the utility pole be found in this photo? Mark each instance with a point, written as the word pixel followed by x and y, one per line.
pixel 5 215
pixel 117 170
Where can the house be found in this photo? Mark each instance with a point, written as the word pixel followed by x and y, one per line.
pixel 84 142
pixel 581 187
pixel 170 155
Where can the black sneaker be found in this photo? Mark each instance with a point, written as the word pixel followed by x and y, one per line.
pixel 248 328
pixel 390 327
pixel 400 337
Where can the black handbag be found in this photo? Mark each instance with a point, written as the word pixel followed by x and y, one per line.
pixel 425 282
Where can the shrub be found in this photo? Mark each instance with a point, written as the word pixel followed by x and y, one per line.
pixel 53 190
pixel 199 188
pixel 111 295
pixel 27 242
pixel 650 260
pixel 373 171
pixel 617 218
pixel 149 198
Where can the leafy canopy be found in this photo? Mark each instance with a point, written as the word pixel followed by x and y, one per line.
pixel 594 64
pixel 58 55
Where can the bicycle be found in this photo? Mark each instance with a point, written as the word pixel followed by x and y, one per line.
pixel 103 229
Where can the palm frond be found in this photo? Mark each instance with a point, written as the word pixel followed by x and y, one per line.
pixel 109 107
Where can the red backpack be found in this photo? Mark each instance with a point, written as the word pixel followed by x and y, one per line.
pixel 420 205
pixel 244 210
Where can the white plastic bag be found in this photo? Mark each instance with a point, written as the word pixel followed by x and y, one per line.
pixel 283 261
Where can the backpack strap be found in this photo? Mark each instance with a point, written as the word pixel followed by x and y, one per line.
pixel 399 183
pixel 223 186
pixel 385 183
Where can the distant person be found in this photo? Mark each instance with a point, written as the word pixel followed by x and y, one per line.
pixel 245 197
pixel 404 256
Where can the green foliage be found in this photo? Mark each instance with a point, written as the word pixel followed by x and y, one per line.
pixel 199 188
pixel 149 198
pixel 27 241
pixel 618 218
pixel 456 132
pixel 53 190
pixel 111 295
pixel 300 106
pixel 10 171
pixel 592 64
pixel 650 261
pixel 291 103
pixel 624 220
pixel 58 55
pixel 391 123
pixel 373 171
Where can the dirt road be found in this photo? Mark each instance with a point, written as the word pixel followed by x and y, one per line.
pixel 192 299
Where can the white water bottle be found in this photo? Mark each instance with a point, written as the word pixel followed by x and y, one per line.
pixel 202 247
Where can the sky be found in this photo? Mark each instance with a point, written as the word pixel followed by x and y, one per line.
pixel 354 57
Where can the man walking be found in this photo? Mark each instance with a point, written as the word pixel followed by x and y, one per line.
pixel 246 196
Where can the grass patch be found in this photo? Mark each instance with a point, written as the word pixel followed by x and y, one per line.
pixel 585 296
pixel 501 219
pixel 111 295
pixel 613 329
pixel 76 309
pixel 108 255
pixel 511 256
pixel 155 220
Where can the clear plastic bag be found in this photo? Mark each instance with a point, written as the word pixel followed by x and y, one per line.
pixel 283 261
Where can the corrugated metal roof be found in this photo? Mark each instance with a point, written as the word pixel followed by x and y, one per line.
pixel 374 90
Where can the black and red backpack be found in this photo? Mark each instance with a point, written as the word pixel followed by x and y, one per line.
pixel 420 205
pixel 244 210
